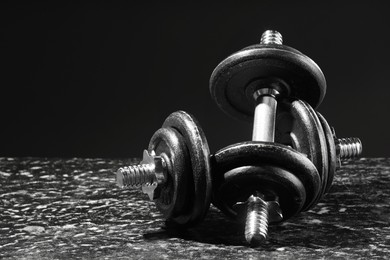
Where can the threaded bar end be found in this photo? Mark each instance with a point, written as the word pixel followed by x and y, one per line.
pixel 135 175
pixel 271 37
pixel 256 225
pixel 348 148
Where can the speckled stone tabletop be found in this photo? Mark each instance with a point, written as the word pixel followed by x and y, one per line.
pixel 71 208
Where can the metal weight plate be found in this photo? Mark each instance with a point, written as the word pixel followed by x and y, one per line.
pixel 265 154
pixel 199 153
pixel 242 182
pixel 332 154
pixel 168 143
pixel 231 79
pixel 298 126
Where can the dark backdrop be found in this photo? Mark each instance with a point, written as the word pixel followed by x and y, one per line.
pixel 97 79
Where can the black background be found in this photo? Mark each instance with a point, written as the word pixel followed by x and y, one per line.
pixel 97 79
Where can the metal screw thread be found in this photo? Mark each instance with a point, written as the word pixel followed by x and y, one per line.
pixel 349 147
pixel 256 225
pixel 135 175
pixel 271 37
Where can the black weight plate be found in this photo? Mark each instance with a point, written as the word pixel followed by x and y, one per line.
pixel 242 182
pixel 169 143
pixel 262 154
pixel 298 126
pixel 230 79
pixel 332 154
pixel 199 152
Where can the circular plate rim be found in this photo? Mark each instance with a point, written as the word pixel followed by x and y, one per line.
pixel 199 152
pixel 225 71
pixel 267 153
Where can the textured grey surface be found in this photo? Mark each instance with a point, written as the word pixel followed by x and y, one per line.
pixel 71 208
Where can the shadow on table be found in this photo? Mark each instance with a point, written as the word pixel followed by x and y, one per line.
pixel 217 229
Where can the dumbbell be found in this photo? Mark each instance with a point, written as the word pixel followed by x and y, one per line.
pixel 285 169
pixel 174 171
